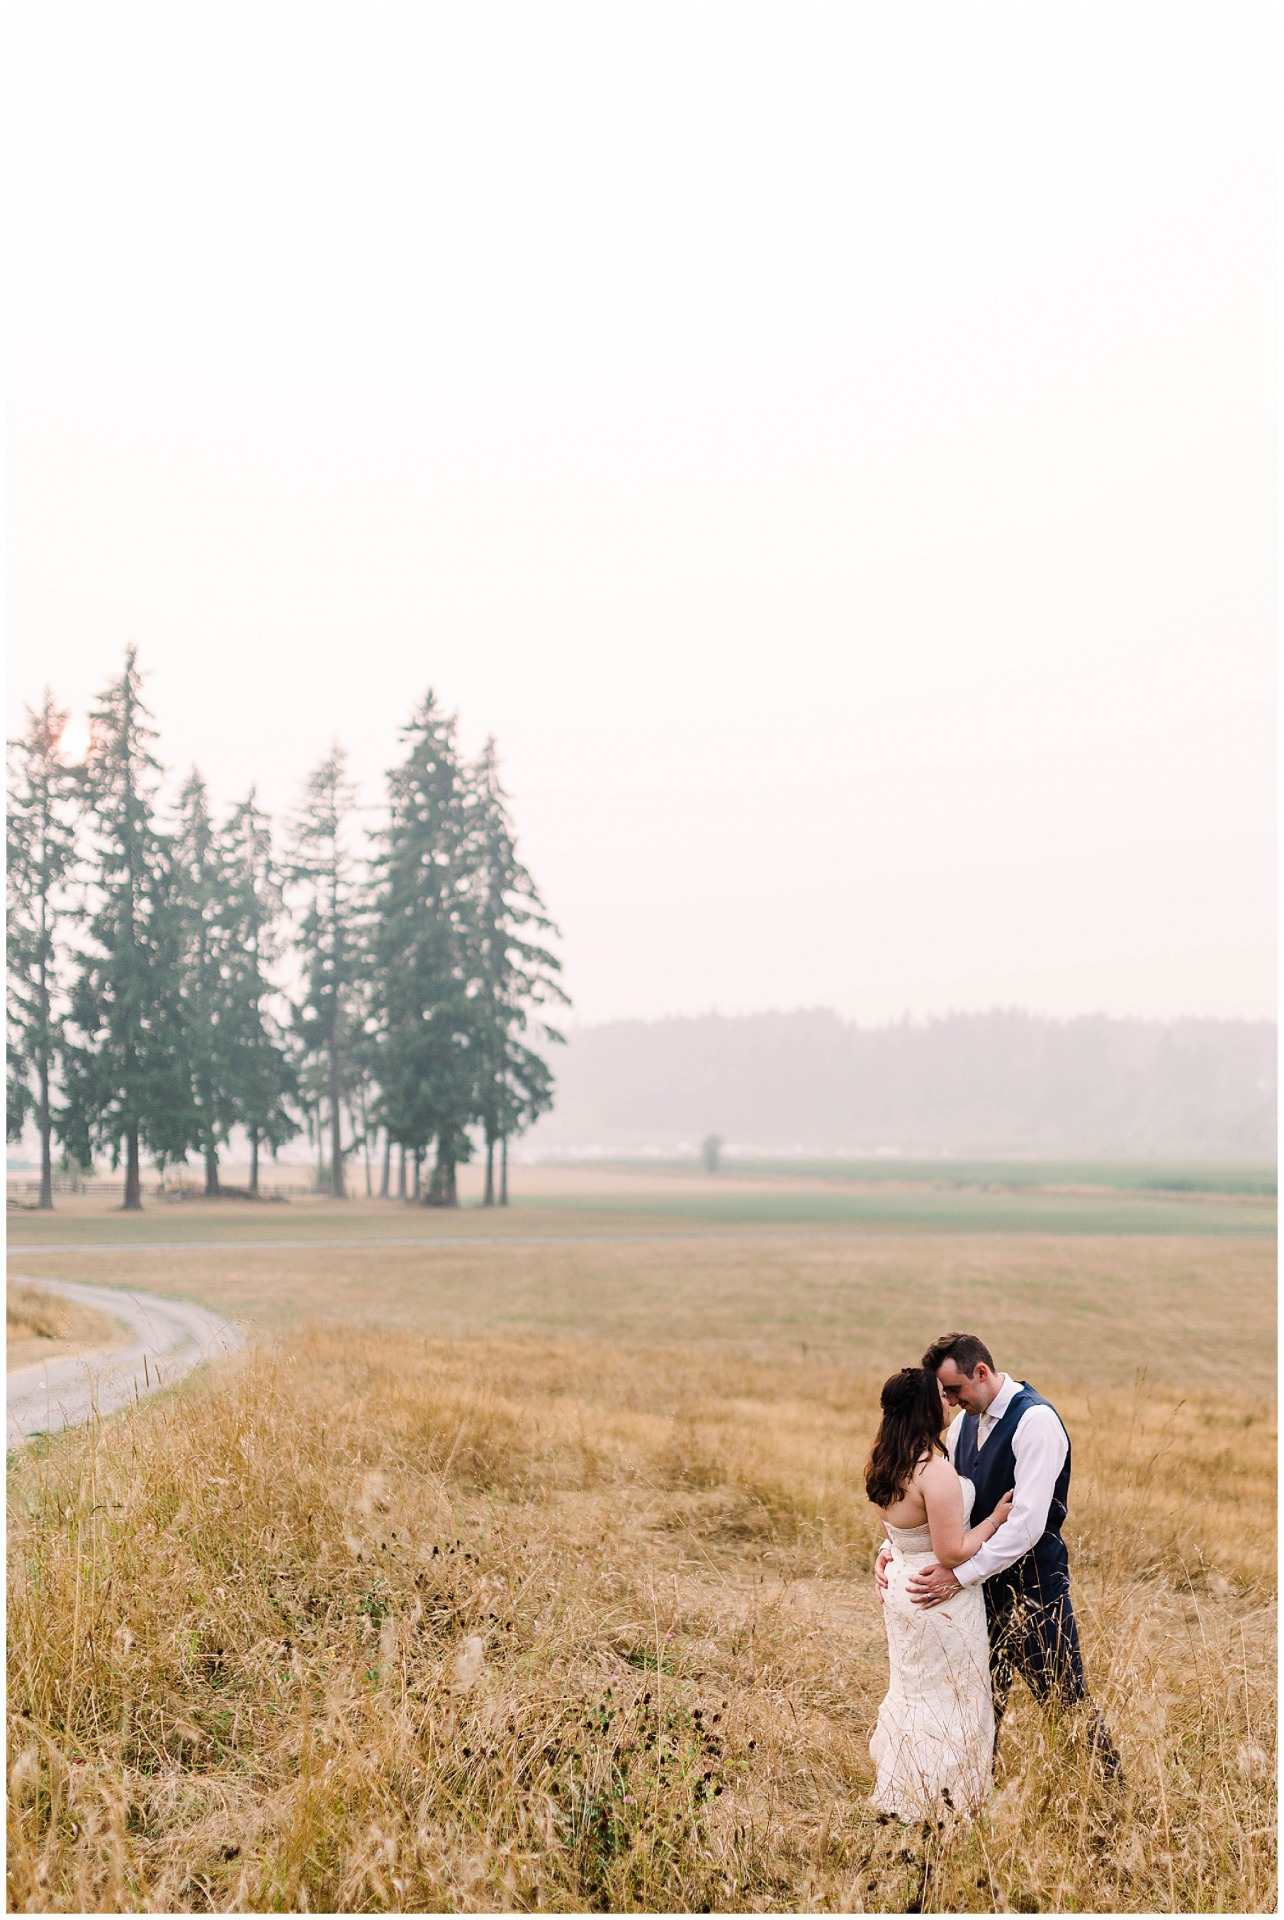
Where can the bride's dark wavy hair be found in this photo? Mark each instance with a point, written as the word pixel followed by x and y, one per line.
pixel 913 1424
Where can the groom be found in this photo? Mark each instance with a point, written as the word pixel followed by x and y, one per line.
pixel 1009 1437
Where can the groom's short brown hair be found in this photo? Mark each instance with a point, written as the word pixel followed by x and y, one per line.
pixel 966 1350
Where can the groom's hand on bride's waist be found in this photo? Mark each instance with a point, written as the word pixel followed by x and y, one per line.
pixel 932 1584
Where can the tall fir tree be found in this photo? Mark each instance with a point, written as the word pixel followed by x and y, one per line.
pixel 262 1081
pixel 324 876
pixel 515 973
pixel 420 953
pixel 40 858
pixel 127 1078
pixel 200 896
pixel 363 1066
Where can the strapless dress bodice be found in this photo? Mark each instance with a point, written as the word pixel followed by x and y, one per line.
pixel 910 1540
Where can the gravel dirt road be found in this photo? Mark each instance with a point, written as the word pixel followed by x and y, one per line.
pixel 170 1338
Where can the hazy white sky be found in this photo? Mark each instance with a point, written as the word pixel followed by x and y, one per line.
pixel 831 447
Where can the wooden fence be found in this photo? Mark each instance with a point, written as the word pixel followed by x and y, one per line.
pixel 26 1192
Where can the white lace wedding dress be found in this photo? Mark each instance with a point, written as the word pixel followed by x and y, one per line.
pixel 934 1741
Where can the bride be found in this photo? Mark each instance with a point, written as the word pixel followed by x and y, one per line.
pixel 934 1742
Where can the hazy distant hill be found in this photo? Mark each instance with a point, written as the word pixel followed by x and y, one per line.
pixel 998 1083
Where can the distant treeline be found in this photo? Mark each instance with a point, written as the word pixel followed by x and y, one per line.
pixel 988 1083
pixel 173 975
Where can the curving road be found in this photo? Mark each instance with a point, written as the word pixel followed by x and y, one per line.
pixel 171 1337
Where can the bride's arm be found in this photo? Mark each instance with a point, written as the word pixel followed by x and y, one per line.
pixel 942 1493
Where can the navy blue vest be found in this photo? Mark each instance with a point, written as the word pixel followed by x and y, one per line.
pixel 1044 1571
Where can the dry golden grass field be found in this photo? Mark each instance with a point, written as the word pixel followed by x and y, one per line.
pixel 536 1575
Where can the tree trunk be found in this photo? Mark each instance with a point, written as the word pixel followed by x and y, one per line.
pixel 401 1172
pixel 46 1140
pixel 443 1188
pixel 336 1138
pixel 503 1171
pixel 254 1163
pixel 386 1181
pixel 210 1148
pixel 488 1199
pixel 419 1160
pixel 133 1202
pixel 45 1202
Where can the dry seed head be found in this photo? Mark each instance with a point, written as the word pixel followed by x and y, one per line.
pixel 24 1777
pixel 468 1663
pixel 1252 1761
pixel 373 1497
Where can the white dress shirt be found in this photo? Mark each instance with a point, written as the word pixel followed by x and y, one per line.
pixel 1039 1448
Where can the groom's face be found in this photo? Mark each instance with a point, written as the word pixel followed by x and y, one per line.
pixel 969 1391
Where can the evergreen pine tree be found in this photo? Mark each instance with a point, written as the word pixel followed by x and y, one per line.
pixel 515 973
pixel 41 850
pixel 419 953
pixel 362 1069
pixel 200 892
pixel 323 873
pixel 128 1078
pixel 261 1077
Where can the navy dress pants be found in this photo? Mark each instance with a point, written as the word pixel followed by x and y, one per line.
pixel 1034 1634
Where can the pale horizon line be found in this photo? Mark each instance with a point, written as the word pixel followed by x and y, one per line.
pixel 920 1020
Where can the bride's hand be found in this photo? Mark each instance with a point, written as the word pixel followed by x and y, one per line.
pixel 1003 1509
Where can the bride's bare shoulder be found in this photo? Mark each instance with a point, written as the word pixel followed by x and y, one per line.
pixel 936 1472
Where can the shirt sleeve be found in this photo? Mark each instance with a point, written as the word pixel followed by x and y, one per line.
pixel 1039 1448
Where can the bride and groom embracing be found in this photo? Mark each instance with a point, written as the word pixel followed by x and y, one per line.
pixel 974 1576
